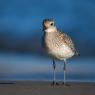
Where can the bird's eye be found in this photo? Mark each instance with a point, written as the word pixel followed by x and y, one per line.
pixel 52 24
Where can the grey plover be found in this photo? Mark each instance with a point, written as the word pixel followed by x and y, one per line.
pixel 57 44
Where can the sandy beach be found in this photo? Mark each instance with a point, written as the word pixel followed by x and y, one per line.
pixel 45 88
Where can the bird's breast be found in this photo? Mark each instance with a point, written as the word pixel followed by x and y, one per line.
pixel 58 49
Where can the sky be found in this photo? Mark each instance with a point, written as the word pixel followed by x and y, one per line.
pixel 21 33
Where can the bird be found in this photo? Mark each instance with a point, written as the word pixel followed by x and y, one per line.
pixel 58 45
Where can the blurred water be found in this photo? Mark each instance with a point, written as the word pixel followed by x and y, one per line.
pixel 21 19
pixel 30 67
pixel 21 31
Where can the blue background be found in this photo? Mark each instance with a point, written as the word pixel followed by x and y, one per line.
pixel 21 54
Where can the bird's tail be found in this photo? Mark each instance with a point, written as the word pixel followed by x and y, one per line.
pixel 77 54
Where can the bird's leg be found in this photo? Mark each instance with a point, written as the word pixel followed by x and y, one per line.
pixel 64 69
pixel 54 66
pixel 54 77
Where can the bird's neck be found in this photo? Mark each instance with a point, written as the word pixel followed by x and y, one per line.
pixel 51 30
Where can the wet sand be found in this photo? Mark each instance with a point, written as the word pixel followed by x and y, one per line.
pixel 45 88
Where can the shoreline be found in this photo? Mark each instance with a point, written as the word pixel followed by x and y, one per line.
pixel 45 88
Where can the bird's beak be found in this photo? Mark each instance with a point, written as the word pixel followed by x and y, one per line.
pixel 43 28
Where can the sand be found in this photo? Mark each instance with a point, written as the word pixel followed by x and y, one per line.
pixel 45 88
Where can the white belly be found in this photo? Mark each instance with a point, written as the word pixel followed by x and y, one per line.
pixel 62 52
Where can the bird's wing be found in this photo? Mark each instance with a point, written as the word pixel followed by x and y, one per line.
pixel 67 39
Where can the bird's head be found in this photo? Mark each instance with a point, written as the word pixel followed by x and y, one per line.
pixel 48 24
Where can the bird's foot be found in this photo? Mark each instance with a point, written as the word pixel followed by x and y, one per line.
pixel 65 84
pixel 54 83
